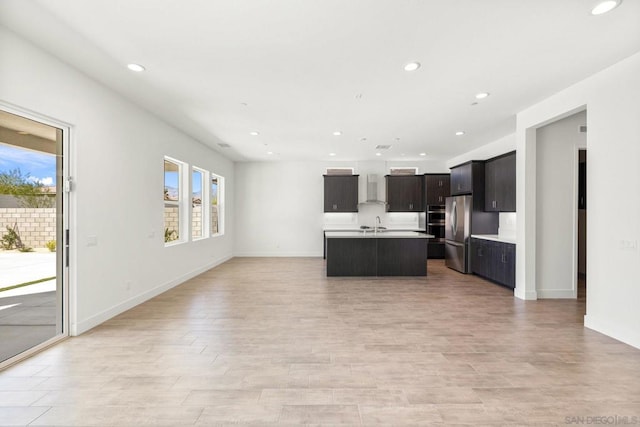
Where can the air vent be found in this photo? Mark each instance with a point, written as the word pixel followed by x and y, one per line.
pixel 583 129
pixel 224 145
pixel 382 147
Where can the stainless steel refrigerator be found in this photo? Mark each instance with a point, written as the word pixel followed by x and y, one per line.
pixel 457 233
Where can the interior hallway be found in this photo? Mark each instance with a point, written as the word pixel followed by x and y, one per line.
pixel 273 341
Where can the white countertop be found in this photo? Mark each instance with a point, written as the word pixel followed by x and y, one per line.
pixel 496 238
pixel 386 234
pixel 357 228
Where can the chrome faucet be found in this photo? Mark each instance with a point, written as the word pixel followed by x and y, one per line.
pixel 378 222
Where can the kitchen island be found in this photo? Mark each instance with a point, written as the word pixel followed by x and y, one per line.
pixel 383 253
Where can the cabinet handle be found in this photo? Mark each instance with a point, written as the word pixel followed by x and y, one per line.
pixel 504 260
pixel 335 207
pixel 493 204
pixel 410 205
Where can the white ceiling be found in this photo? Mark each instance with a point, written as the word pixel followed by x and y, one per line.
pixel 292 69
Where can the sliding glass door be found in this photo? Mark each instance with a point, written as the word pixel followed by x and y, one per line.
pixel 32 235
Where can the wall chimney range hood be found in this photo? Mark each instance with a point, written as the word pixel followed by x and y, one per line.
pixel 372 190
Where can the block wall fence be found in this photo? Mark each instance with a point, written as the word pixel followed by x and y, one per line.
pixel 36 226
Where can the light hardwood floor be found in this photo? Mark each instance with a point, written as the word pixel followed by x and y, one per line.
pixel 273 341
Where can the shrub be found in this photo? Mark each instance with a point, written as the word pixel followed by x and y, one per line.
pixel 170 235
pixel 51 245
pixel 12 239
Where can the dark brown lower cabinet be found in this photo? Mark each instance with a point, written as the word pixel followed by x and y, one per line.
pixel 495 261
pixel 376 256
pixel 402 257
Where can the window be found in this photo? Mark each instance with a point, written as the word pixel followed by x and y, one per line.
pixel 403 171
pixel 217 205
pixel 198 216
pixel 340 171
pixel 173 201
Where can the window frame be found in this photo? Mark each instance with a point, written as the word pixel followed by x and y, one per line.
pixel 203 203
pixel 219 204
pixel 183 228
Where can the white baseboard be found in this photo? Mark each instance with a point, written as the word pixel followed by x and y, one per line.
pixel 619 332
pixel 529 295
pixel 556 294
pixel 279 254
pixel 128 304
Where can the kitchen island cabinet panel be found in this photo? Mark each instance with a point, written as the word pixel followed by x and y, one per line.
pixel 402 257
pixel 389 253
pixel 351 257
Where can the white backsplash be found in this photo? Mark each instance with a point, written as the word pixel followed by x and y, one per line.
pixel 340 220
pixel 507 224
pixel 367 214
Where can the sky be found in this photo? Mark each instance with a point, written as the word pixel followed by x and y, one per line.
pixel 40 167
pixel 171 182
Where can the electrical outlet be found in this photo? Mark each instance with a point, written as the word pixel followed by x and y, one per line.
pixel 92 240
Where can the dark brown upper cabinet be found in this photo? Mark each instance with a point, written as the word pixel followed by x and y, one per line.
pixel 341 193
pixel 500 183
pixel 437 188
pixel 405 193
pixel 462 179
pixel 468 178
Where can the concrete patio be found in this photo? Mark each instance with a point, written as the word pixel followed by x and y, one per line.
pixel 28 313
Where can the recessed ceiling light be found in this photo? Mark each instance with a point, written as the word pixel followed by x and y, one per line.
pixel 605 6
pixel 412 66
pixel 460 133
pixel 136 67
pixel 269 152
pixel 21 132
pixel 332 154
pixel 378 154
pixel 254 133
pixel 423 154
pixel 482 95
pixel 337 133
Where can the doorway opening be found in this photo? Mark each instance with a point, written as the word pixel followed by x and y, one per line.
pixel 582 224
pixel 33 241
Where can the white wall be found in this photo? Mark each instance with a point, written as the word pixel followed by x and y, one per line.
pixel 556 206
pixel 280 205
pixel 500 146
pixel 279 209
pixel 116 158
pixel 613 178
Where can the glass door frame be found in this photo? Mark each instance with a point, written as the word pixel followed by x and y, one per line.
pixel 63 232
